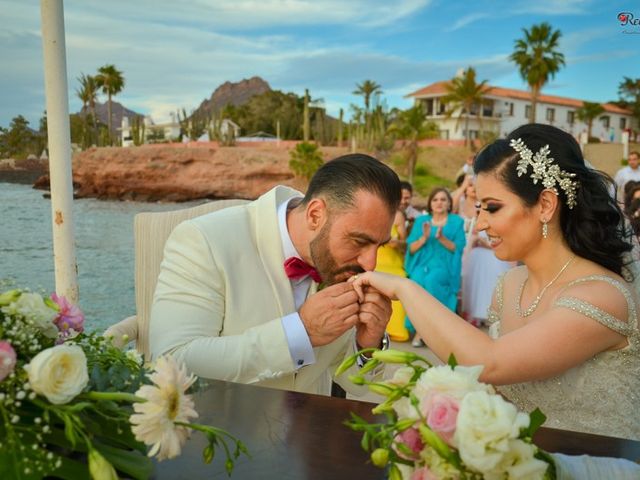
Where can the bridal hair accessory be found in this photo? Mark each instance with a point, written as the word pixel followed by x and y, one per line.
pixel 545 170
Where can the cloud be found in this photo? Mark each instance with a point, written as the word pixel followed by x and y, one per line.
pixel 467 20
pixel 553 7
pixel 242 15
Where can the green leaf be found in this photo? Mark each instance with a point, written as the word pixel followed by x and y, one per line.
pixel 72 470
pixel 536 419
pixel 452 362
pixel 131 462
pixel 364 443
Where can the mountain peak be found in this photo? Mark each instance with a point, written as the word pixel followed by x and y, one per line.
pixel 234 93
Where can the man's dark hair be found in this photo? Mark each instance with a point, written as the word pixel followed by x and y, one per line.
pixel 406 186
pixel 340 179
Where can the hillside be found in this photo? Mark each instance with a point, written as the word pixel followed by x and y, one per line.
pixel 230 93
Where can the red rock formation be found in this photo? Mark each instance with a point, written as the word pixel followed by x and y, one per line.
pixel 180 173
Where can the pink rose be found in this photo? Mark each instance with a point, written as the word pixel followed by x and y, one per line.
pixel 7 359
pixel 69 315
pixel 423 474
pixel 410 438
pixel 442 416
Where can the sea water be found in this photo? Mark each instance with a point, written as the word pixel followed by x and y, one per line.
pixel 104 249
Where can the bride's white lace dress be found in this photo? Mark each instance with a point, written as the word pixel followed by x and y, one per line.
pixel 602 395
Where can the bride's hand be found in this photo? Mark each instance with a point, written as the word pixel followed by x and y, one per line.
pixel 383 282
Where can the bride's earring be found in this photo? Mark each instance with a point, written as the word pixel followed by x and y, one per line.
pixel 545 229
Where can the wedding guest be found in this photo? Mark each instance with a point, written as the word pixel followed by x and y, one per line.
pixel 391 260
pixel 410 212
pixel 628 173
pixel 462 183
pixel 631 192
pixel 434 252
pixel 237 295
pixel 565 335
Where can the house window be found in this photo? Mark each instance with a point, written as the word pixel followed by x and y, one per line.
pixel 606 120
pixel 487 109
pixel 551 114
pixel 510 108
pixel 623 123
pixel 527 111
pixel 442 108
pixel 473 134
pixel 428 104
pixel 571 117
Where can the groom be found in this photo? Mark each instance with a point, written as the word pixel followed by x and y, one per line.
pixel 237 295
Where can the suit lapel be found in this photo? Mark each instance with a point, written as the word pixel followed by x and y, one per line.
pixel 264 218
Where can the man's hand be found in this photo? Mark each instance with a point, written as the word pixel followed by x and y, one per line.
pixel 329 313
pixel 375 311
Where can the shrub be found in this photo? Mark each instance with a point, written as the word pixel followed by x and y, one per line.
pixel 305 159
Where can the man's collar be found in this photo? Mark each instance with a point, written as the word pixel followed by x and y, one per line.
pixel 287 245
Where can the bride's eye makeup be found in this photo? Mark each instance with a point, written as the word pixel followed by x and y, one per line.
pixel 491 207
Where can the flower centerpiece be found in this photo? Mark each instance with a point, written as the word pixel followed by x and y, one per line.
pixel 443 423
pixel 72 405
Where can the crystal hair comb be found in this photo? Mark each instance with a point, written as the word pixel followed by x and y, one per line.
pixel 545 170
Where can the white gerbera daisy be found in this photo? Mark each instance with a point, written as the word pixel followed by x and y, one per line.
pixel 167 403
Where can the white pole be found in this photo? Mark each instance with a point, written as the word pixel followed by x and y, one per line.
pixel 55 82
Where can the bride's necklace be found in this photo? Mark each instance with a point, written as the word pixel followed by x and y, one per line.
pixel 536 301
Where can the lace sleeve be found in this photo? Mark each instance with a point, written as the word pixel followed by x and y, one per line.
pixel 626 328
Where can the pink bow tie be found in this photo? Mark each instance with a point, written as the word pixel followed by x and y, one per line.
pixel 296 268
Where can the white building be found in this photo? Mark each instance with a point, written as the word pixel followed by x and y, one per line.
pixel 506 109
pixel 169 131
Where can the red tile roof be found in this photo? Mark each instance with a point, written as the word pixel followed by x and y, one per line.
pixel 440 88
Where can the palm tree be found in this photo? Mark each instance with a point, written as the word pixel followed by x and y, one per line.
pixel 629 91
pixel 412 125
pixel 464 93
pixel 111 81
pixel 538 59
pixel 88 93
pixel 367 89
pixel 587 112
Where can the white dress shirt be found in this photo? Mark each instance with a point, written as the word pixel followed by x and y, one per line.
pixel 300 346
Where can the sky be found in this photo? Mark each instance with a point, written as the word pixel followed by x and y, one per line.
pixel 173 54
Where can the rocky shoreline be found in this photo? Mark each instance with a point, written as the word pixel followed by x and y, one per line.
pixel 25 172
pixel 178 173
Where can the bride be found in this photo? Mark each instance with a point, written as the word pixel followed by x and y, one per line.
pixel 565 332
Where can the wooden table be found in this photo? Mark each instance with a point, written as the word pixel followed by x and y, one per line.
pixel 299 436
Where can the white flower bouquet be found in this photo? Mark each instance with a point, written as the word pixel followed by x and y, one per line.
pixel 74 406
pixel 442 423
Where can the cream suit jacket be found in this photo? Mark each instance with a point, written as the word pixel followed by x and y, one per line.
pixel 220 297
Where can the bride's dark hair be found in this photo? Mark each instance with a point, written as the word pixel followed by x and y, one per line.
pixel 595 227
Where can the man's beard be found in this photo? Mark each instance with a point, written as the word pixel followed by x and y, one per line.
pixel 325 263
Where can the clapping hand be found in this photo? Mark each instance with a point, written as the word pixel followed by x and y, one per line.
pixel 426 230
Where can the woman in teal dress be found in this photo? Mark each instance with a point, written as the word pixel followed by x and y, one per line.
pixel 434 253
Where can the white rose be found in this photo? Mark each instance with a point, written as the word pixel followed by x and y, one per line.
pixel 402 376
pixel 405 409
pixel 59 373
pixel 520 463
pixel 484 427
pixel 455 383
pixel 32 306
